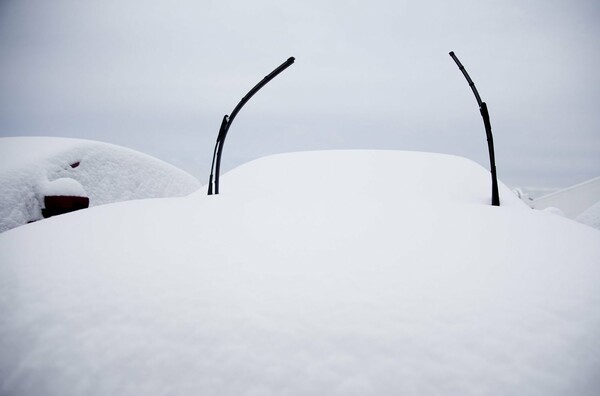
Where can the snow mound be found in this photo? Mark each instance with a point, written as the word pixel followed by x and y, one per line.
pixel 107 173
pixel 553 210
pixel 63 186
pixel 321 273
pixel 370 174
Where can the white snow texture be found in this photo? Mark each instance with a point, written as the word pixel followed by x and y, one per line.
pixel 320 273
pixel 32 167
pixel 63 186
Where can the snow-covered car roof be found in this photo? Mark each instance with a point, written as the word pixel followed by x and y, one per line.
pixel 319 273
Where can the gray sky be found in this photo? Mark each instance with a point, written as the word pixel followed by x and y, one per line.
pixel 158 76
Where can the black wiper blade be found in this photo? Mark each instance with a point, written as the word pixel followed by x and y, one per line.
pixel 228 120
pixel 483 109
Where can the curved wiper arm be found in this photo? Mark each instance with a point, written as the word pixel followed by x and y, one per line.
pixel 228 120
pixel 488 130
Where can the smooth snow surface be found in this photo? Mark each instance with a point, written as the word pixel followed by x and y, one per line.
pixel 31 167
pixel 321 273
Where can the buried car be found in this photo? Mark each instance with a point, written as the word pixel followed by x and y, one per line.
pixel 45 176
pixel 333 272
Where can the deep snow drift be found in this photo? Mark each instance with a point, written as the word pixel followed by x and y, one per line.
pixel 322 273
pixel 31 167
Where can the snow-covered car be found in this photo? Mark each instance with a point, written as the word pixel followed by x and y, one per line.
pixel 69 174
pixel 317 273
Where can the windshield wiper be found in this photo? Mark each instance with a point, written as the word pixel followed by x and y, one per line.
pixel 488 130
pixel 226 124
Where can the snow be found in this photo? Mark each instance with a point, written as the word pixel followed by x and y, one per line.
pixel 29 166
pixel 553 210
pixel 579 202
pixel 330 273
pixel 63 186
pixel 17 152
pixel 591 216
pixel 572 201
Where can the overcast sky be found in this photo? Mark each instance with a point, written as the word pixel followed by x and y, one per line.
pixel 158 76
